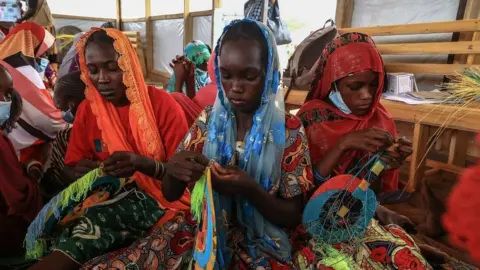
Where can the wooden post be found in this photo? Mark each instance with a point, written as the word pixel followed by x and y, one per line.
pixel 472 11
pixel 420 147
pixel 149 36
pixel 215 4
pixel 187 24
pixel 119 15
pixel 343 16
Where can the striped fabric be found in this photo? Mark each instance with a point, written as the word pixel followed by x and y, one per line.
pixel 54 179
pixel 40 120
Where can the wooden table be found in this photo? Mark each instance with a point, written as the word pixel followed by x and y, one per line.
pixel 423 117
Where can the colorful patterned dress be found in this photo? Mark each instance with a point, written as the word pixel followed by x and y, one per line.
pixel 170 247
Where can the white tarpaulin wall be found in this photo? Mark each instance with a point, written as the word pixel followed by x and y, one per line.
pixel 167 42
pixel 202 29
pixel 86 8
pixel 140 27
pixel 389 12
pixel 84 25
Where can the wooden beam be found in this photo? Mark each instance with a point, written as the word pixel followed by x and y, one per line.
pixel 436 115
pixel 460 47
pixel 167 17
pixel 215 4
pixel 344 13
pixel 201 13
pixel 418 28
pixel 148 36
pixel 429 114
pixel 417 165
pixel 457 154
pixel 187 23
pixel 472 11
pixel 70 17
pixel 433 69
pixel 119 15
pixel 143 19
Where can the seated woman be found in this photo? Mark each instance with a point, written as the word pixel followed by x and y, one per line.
pixel 128 130
pixel 262 180
pixel 195 75
pixel 345 123
pixel 70 62
pixel 69 93
pixel 40 121
pixel 20 196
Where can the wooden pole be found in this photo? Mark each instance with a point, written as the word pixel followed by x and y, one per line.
pixel 215 4
pixel 119 15
pixel 343 16
pixel 187 23
pixel 149 36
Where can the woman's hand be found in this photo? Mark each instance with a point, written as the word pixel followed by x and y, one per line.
pixel 183 68
pixel 395 159
pixel 84 166
pixel 186 166
pixel 370 140
pixel 124 164
pixel 230 180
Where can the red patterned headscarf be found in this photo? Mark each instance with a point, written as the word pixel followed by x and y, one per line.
pixel 325 123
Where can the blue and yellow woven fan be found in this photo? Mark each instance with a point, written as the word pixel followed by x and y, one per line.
pixel 341 209
pixel 206 240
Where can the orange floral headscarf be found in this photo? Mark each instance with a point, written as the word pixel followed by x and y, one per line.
pixel 142 117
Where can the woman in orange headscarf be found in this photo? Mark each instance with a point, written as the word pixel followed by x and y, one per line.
pixel 129 130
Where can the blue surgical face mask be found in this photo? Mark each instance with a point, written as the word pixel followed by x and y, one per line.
pixel 337 100
pixel 4 111
pixel 42 66
pixel 68 116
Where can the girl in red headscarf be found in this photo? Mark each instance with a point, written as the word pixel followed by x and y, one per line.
pixel 342 114
pixel 345 122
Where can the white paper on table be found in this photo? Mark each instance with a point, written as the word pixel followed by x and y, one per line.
pixel 410 100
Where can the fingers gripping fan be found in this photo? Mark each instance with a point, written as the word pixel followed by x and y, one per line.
pixel 341 208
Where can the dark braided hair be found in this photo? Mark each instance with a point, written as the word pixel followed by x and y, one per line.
pixel 15 109
pixel 100 37
pixel 108 25
pixel 246 30
pixel 71 87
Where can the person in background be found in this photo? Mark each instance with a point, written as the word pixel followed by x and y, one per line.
pixel 20 196
pixel 70 62
pixel 40 120
pixel 38 11
pixel 206 95
pixel 190 71
pixel 69 93
pixel 345 122
pixel 128 130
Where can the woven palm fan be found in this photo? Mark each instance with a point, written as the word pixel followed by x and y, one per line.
pixel 203 210
pixel 341 209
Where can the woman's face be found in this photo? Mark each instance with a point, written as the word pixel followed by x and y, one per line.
pixel 243 74
pixel 105 74
pixel 64 101
pixel 6 84
pixel 358 91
